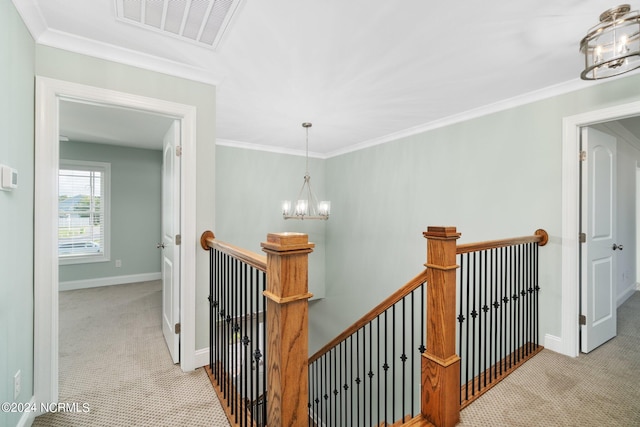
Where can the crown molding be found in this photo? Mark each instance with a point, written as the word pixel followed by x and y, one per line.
pixel 268 148
pixel 32 17
pixel 528 98
pixel 109 52
pixel 517 101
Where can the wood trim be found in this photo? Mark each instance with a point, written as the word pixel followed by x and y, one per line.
pixel 541 237
pixel 258 261
pixel 205 238
pixel 375 312
pixel 286 300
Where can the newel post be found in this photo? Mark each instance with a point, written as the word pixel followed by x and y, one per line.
pixel 440 363
pixel 287 328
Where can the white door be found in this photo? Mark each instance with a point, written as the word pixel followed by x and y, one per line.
pixel 598 292
pixel 170 244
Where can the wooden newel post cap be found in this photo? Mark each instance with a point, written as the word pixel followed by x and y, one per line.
pixel 287 242
pixel 440 232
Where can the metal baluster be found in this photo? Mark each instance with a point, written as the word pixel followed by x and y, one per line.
pixel 519 303
pixel 371 372
pixel 536 287
pixel 393 364
pixel 505 300
pixel 494 313
pixel 512 306
pixel 385 366
pixel 266 355
pixel 336 387
pixel 481 284
pixel 378 364
pixel 413 377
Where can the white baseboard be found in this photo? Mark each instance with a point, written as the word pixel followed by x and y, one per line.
pixel 202 357
pixel 626 294
pixel 553 343
pixel 108 281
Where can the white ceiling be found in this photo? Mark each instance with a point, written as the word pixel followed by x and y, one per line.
pixel 362 71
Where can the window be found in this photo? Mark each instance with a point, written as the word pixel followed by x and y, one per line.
pixel 83 211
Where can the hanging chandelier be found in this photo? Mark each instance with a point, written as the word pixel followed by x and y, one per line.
pixel 307 206
pixel 612 47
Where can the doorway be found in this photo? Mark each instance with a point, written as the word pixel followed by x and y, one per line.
pixel 49 94
pixel 569 342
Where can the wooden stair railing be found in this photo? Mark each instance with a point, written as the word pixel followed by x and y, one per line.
pixel 287 342
pixel 441 386
pixel 286 353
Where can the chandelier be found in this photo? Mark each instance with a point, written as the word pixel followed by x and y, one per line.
pixel 307 206
pixel 612 47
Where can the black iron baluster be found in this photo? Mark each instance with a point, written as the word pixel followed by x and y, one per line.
pixel 505 300
pixel 412 321
pixel 378 364
pixel 464 284
pixel 370 372
pixel 264 344
pixel 393 364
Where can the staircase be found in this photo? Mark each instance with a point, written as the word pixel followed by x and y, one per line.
pixel 470 315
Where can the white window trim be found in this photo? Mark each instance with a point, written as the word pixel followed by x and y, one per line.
pixel 106 168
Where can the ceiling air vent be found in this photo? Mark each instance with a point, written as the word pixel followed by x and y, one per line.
pixel 198 21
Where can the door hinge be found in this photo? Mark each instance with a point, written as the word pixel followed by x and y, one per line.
pixel 178 150
pixel 583 156
pixel 177 328
pixel 582 319
pixel 583 238
pixel 178 239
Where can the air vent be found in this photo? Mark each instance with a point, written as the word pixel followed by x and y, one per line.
pixel 198 21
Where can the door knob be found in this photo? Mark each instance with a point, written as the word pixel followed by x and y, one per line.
pixel 617 247
pixel 161 245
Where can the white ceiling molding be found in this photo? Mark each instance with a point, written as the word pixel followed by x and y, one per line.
pixel 528 98
pixel 125 56
pixel 268 148
pixel 32 17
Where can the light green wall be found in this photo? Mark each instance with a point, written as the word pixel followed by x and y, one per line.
pixel 68 66
pixel 491 177
pixel 16 208
pixel 250 186
pixel 136 191
pixel 495 176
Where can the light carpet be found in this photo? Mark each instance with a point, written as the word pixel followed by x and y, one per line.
pixel 601 388
pixel 114 359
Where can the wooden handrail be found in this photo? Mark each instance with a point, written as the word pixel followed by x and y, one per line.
pixel 397 296
pixel 208 240
pixel 540 236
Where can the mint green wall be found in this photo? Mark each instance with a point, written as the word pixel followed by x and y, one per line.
pixel 16 208
pixel 491 177
pixel 77 68
pixel 250 186
pixel 136 192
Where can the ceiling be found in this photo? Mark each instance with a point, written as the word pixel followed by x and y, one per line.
pixel 362 71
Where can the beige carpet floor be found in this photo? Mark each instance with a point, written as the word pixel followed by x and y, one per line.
pixel 114 359
pixel 601 388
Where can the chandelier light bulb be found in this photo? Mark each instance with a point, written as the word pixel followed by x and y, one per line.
pixel 307 206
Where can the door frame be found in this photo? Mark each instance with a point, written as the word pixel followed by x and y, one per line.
pixel 49 92
pixel 569 342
